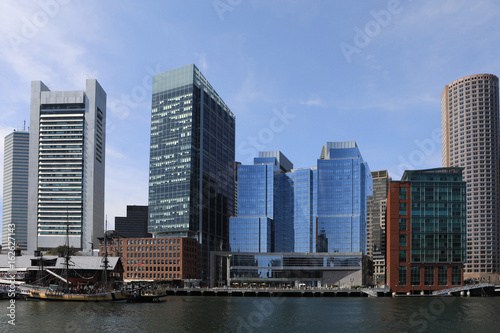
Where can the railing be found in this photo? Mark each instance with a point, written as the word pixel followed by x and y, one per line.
pixel 462 288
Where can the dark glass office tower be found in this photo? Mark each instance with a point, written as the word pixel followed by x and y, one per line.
pixel 191 172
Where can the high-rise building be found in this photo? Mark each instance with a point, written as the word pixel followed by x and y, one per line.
pixel 66 167
pixel 344 183
pixel 426 230
pixel 470 139
pixel 319 209
pixel 191 171
pixel 304 206
pixel 15 189
pixel 261 224
pixel 375 231
pixel 135 224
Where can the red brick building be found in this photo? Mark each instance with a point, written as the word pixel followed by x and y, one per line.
pixel 150 259
pixel 426 230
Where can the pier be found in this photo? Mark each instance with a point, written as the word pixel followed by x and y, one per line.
pixel 275 292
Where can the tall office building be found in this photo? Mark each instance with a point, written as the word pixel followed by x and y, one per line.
pixel 319 209
pixel 304 206
pixel 191 171
pixel 375 231
pixel 426 226
pixel 15 189
pixel 66 167
pixel 470 139
pixel 263 223
pixel 344 183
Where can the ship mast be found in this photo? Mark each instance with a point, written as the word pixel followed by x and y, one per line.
pixel 106 257
pixel 66 254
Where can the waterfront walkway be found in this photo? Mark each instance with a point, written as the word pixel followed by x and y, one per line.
pixel 275 292
pixel 469 287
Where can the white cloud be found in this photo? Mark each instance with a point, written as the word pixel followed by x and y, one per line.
pixel 312 102
pixel 36 43
pixel 201 62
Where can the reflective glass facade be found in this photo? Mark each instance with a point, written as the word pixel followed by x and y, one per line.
pixel 344 182
pixel 304 209
pixel 426 230
pixel 320 209
pixel 263 223
pixel 191 173
pixel 288 269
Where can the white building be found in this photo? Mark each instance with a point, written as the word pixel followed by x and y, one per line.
pixel 15 189
pixel 66 170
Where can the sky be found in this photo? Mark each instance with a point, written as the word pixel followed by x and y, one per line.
pixel 296 73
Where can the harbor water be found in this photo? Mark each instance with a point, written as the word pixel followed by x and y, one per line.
pixel 260 314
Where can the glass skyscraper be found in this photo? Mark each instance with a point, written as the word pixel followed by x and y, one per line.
pixel 344 182
pixel 191 171
pixel 320 209
pixel 15 188
pixel 261 225
pixel 66 167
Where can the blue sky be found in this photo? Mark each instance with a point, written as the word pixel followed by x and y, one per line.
pixel 296 73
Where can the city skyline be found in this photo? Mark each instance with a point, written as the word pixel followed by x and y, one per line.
pixel 338 71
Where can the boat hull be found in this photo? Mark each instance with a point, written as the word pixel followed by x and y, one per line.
pixel 44 295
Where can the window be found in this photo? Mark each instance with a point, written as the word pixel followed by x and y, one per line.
pixel 415 275
pixel 402 224
pixel 402 208
pixel 429 276
pixel 402 275
pixel 443 275
pixel 456 275
pixel 402 255
pixel 402 240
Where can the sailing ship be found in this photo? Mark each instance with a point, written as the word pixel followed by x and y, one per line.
pixel 72 293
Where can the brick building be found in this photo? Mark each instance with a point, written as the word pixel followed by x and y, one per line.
pixel 426 231
pixel 147 259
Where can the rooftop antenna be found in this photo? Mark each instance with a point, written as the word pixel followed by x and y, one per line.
pixel 24 126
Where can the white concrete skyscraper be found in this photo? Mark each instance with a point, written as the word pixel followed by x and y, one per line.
pixel 66 170
pixel 15 188
pixel 470 139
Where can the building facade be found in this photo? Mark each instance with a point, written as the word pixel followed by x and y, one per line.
pixel 15 189
pixel 426 230
pixel 172 259
pixel 262 224
pixel 191 172
pixel 66 167
pixel 135 224
pixel 470 139
pixel 319 209
pixel 376 221
pixel 344 183
pixel 245 269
